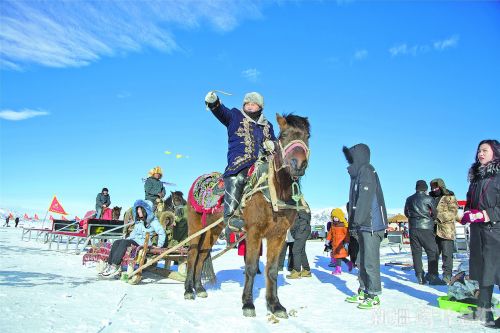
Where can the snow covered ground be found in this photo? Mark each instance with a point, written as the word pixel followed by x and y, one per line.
pixel 49 291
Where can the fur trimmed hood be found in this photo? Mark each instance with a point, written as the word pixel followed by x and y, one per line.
pixel 478 171
pixel 442 186
pixel 147 205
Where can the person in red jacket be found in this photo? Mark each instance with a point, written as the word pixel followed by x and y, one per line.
pixel 338 235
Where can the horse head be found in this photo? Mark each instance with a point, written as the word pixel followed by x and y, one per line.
pixel 116 212
pixel 293 144
pixel 175 201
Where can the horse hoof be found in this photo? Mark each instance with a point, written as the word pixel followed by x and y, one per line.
pixel 188 296
pixel 249 312
pixel 202 294
pixel 281 314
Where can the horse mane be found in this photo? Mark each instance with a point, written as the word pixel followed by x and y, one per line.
pixel 169 200
pixel 298 122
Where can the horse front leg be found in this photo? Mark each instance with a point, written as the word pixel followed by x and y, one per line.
pixel 205 248
pixel 273 303
pixel 252 248
pixel 191 263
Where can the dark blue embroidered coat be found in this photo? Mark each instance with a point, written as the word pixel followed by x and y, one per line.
pixel 245 137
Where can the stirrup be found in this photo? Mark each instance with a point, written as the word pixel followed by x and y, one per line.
pixel 235 224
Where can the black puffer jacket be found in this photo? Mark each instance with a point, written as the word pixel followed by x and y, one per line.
pixel 484 189
pixel 420 211
pixel 367 210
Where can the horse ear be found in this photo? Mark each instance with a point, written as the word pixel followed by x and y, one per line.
pixel 281 121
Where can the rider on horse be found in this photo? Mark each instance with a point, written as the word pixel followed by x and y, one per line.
pixel 249 135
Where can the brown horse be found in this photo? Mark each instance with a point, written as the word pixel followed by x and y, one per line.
pixel 116 213
pixel 289 161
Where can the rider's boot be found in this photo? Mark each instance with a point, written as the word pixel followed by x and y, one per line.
pixel 233 192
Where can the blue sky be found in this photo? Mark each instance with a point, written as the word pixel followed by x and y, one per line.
pixel 92 94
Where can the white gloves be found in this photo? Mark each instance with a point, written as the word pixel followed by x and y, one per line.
pixel 211 97
pixel 269 146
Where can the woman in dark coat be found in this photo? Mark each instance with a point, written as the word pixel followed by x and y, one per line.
pixel 482 211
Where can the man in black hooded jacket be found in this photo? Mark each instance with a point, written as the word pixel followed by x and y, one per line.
pixel 368 219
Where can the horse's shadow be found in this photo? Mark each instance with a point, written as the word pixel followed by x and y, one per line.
pixel 238 276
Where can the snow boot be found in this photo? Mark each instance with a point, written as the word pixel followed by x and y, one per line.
pixel 337 271
pixel 294 275
pixel 305 273
pixel 332 262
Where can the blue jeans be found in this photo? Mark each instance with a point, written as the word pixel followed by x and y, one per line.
pixel 98 212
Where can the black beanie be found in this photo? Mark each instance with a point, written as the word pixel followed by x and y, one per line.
pixel 104 189
pixel 421 185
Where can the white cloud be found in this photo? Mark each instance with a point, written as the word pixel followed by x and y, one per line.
pixel 123 94
pixel 5 64
pixel 21 115
pixel 414 50
pixel 76 33
pixel 360 54
pixel 441 45
pixel 251 74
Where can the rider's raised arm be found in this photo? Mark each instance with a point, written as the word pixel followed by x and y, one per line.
pixel 218 109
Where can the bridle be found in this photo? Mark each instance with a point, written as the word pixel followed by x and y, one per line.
pixel 285 151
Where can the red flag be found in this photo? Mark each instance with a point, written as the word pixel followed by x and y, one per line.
pixel 77 218
pixel 36 217
pixel 11 216
pixel 63 218
pixel 26 217
pixel 55 207
pixel 51 218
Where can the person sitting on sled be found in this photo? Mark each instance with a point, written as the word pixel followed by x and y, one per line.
pixel 249 134
pixel 145 222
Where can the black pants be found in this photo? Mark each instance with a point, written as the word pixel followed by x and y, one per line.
pixel 423 238
pixel 369 261
pixel 118 250
pixel 445 248
pixel 281 260
pixel 484 264
pixel 300 255
pixel 353 249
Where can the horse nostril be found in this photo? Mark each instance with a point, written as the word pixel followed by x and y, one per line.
pixel 293 163
pixel 304 165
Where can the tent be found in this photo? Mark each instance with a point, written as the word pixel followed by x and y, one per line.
pixel 398 218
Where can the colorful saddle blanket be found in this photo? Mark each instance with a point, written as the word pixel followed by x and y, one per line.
pixel 207 192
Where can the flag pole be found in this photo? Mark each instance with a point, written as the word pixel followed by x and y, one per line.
pixel 43 222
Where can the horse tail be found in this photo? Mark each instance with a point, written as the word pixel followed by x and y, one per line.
pixel 207 271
